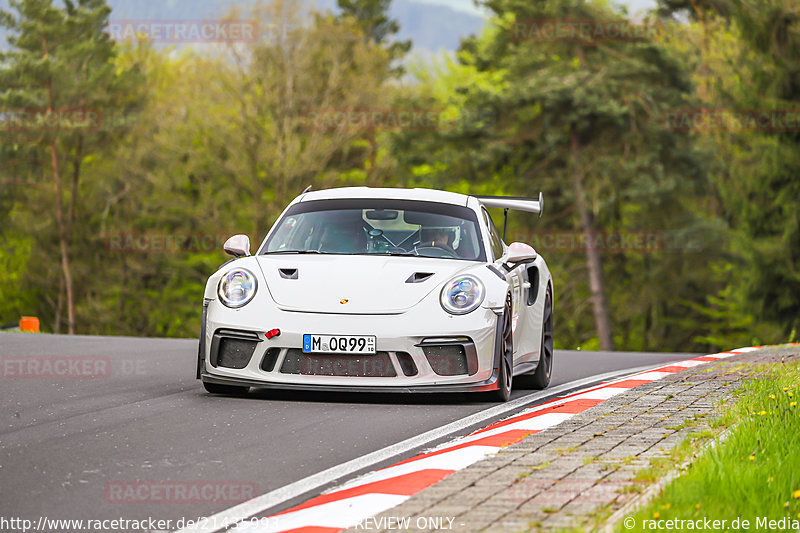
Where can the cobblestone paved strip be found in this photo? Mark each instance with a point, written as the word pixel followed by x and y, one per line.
pixel 558 478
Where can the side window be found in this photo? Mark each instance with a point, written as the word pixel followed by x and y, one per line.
pixel 494 236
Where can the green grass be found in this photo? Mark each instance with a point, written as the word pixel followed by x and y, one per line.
pixel 755 472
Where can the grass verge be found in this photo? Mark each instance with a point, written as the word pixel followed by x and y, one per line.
pixel 753 475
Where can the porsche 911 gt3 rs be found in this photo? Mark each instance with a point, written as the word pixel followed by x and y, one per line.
pixel 369 289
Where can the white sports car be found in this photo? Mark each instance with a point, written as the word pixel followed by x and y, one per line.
pixel 364 289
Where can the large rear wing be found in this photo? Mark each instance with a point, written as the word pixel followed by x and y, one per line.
pixel 517 203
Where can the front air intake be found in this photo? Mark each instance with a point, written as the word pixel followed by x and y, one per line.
pixel 235 353
pixel 307 364
pixel 447 360
pixel 451 356
pixel 233 349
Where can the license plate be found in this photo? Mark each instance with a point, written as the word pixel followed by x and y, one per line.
pixel 339 344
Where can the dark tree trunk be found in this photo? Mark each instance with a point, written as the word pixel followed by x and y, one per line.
pixel 63 242
pixel 594 264
pixel 372 173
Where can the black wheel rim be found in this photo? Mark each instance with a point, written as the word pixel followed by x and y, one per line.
pixel 547 334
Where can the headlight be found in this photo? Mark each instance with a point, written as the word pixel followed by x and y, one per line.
pixel 237 287
pixel 462 295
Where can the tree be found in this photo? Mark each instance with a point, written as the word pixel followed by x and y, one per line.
pixel 750 58
pixel 223 143
pixel 374 21
pixel 292 97
pixel 60 78
pixel 580 120
pixel 695 9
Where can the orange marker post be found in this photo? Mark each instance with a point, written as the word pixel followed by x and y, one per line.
pixel 29 324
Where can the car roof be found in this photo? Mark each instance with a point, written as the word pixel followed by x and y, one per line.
pixel 430 195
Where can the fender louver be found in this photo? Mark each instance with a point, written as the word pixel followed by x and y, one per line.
pixel 419 277
pixel 288 273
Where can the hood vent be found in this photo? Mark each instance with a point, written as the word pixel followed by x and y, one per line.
pixel 419 277
pixel 288 273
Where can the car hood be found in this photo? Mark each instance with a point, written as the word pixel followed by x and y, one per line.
pixel 354 284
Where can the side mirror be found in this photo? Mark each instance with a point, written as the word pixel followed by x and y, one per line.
pixel 519 252
pixel 237 246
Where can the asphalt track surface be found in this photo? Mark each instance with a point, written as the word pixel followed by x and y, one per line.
pixel 66 442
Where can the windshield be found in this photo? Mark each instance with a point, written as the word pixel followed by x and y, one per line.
pixel 387 227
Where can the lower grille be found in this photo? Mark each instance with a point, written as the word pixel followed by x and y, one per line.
pixel 235 353
pixel 447 359
pixel 297 362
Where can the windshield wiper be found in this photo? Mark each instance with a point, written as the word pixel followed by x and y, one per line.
pixel 393 254
pixel 295 252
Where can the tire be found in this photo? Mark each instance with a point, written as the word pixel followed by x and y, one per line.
pixel 505 354
pixel 541 376
pixel 230 390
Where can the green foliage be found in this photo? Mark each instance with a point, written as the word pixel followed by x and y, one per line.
pixel 60 88
pixel 748 61
pixel 219 146
pixel 15 253
pixel 373 19
pixel 521 104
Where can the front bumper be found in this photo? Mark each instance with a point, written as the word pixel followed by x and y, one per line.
pixel 487 385
pixel 398 336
